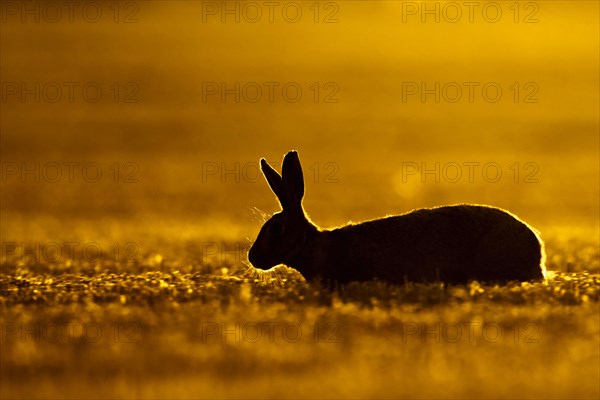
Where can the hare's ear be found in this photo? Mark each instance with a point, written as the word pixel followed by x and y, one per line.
pixel 293 179
pixel 275 181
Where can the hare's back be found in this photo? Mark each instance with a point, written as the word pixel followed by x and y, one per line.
pixel 466 219
pixel 460 243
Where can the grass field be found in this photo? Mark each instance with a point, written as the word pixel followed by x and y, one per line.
pixel 125 220
pixel 183 320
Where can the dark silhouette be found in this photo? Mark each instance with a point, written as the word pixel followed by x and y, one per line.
pixel 453 244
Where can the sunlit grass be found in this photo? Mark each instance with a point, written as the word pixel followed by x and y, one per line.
pixel 192 332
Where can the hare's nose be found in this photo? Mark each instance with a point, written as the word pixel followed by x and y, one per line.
pixel 257 260
pixel 252 257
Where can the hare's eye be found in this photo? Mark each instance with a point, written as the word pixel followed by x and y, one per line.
pixel 276 228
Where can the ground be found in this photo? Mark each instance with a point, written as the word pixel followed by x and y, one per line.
pixel 163 326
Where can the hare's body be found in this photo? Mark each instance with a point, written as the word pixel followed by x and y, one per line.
pixel 452 243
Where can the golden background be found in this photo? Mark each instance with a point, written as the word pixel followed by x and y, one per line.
pixel 162 55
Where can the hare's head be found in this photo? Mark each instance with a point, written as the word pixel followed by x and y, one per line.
pixel 283 237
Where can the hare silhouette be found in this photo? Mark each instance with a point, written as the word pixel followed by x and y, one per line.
pixel 454 244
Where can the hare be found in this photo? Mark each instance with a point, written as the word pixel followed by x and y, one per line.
pixel 453 244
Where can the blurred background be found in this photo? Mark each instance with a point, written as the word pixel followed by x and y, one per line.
pixel 392 106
